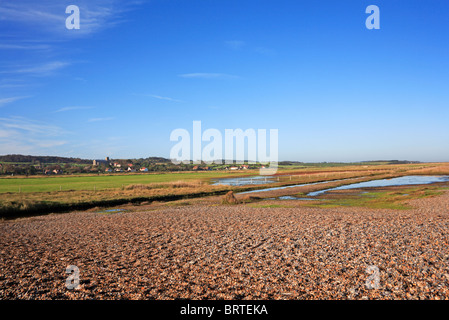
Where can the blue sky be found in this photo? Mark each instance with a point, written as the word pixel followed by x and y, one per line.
pixel 136 70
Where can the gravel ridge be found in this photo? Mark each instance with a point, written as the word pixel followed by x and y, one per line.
pixel 230 252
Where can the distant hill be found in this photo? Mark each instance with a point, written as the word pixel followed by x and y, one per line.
pixel 19 158
pixel 41 159
pixel 156 160
pixel 330 164
pixel 392 161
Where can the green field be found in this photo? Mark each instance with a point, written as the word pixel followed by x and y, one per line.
pixel 114 181
pixel 102 182
pixel 22 196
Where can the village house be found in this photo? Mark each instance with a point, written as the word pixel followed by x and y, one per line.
pixel 55 171
pixel 200 168
pixel 144 169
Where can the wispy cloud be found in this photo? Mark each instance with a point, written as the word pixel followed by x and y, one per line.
pixel 265 51
pixel 48 143
pixel 207 75
pixel 28 11
pixel 41 70
pixel 159 97
pixel 6 46
pixel 238 44
pixel 65 109
pixel 30 126
pixel 165 98
pixel 9 100
pixel 20 135
pixel 12 82
pixel 100 119
pixel 6 133
pixel 235 44
pixel 11 85
pixel 49 16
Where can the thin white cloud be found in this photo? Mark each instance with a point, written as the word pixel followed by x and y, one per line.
pixel 11 86
pixel 161 97
pixel 40 70
pixel 27 11
pixel 65 109
pixel 235 44
pixel 48 143
pixel 238 44
pixel 49 15
pixel 265 51
pixel 30 126
pixel 43 69
pixel 100 119
pixel 166 98
pixel 20 135
pixel 10 100
pixel 6 133
pixel 207 75
pixel 7 46
pixel 11 83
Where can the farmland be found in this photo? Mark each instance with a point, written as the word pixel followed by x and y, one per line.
pixel 45 194
pixel 172 236
pixel 201 251
pixel 97 182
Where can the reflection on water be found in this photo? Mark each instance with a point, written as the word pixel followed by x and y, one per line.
pixel 293 198
pixel 292 186
pixel 242 181
pixel 110 211
pixel 401 181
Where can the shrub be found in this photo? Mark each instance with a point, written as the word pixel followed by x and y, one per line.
pixel 229 198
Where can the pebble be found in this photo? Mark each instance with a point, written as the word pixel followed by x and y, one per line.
pixel 230 252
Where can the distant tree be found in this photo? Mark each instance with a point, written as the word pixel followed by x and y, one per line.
pixel 8 169
pixel 30 170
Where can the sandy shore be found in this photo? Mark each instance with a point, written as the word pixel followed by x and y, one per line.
pixel 230 252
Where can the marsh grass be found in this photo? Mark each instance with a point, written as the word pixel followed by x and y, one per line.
pixel 33 203
pixel 167 185
pixel 396 200
pixel 44 195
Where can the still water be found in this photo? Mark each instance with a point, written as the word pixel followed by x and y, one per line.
pixel 401 181
pixel 242 181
